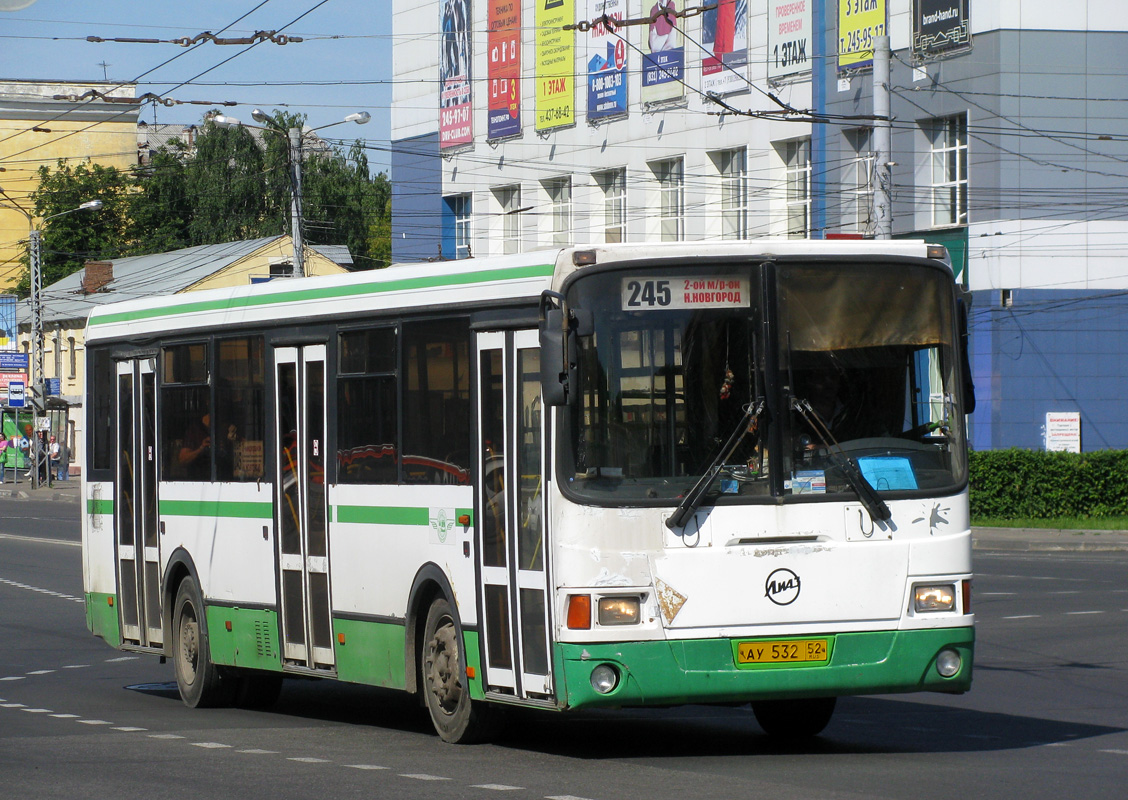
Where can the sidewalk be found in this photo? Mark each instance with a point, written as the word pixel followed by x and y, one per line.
pixel 65 491
pixel 1029 540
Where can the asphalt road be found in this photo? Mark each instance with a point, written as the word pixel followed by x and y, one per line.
pixel 1047 716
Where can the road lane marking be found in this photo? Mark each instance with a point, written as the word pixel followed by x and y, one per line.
pixel 37 710
pixel 1078 613
pixel 309 760
pixel 1023 616
pixel 19 585
pixel 257 752
pixel 165 736
pixel 418 776
pixel 123 658
pixel 496 787
pixel 42 672
pixel 12 705
pixel 13 678
pixel 93 722
pixel 41 539
pixel 210 745
pixel 129 729
pixel 363 766
pixel 1116 752
pixel 65 716
pixel 76 666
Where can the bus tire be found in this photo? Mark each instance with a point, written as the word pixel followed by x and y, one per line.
pixel 456 718
pixel 794 719
pixel 201 683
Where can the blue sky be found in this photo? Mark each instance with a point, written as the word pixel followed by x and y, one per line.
pixel 344 64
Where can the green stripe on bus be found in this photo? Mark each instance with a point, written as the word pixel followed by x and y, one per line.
pixel 216 508
pixel 327 293
pixel 99 506
pixel 391 515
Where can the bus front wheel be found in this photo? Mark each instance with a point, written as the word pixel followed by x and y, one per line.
pixel 200 682
pixel 794 719
pixel 456 718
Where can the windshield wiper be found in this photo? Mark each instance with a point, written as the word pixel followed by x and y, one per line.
pixel 878 510
pixel 694 497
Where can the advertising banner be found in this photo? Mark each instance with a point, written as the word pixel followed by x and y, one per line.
pixel 606 62
pixel 789 38
pixel 724 34
pixel 504 69
pixel 663 59
pixel 8 330
pixel 940 26
pixel 455 97
pixel 859 21
pixel 556 64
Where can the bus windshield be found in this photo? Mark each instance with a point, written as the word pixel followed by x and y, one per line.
pixel 673 383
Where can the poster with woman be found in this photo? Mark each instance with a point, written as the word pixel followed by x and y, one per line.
pixel 663 59
pixel 724 35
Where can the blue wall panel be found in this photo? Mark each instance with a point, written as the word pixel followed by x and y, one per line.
pixel 416 198
pixel 1051 350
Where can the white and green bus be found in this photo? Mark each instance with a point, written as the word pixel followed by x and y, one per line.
pixel 625 475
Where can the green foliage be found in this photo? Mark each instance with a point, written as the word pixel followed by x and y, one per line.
pixel 70 239
pixel 1030 484
pixel 231 187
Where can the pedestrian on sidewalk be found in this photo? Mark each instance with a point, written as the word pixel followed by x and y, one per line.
pixel 3 457
pixel 53 456
pixel 64 460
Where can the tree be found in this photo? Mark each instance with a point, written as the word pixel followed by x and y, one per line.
pixel 232 186
pixel 68 241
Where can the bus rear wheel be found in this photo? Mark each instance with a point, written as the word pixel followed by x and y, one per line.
pixel 794 719
pixel 456 718
pixel 200 682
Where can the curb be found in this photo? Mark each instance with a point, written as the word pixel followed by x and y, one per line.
pixel 1037 540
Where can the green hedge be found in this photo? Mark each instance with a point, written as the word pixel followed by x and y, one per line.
pixel 1030 484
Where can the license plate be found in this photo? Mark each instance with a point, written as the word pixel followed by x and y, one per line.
pixel 783 651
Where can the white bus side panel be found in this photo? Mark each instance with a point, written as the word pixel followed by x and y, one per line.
pixel 380 536
pixel 98 571
pixel 233 558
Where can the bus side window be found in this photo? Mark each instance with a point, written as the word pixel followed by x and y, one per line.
pixel 436 402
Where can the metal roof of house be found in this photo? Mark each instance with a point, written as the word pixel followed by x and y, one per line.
pixel 157 274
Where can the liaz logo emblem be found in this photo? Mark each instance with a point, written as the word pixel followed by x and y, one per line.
pixel 782 587
pixel 442 522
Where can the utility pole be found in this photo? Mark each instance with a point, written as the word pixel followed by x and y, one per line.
pixel 38 396
pixel 882 142
pixel 295 135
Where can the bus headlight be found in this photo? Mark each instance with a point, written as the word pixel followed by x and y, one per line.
pixel 948 663
pixel 618 611
pixel 604 678
pixel 934 598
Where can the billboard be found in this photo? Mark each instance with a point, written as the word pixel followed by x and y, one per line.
pixel 9 338
pixel 724 35
pixel 503 71
pixel 789 38
pixel 555 64
pixel 663 53
pixel 940 26
pixel 859 21
pixel 455 97
pixel 606 61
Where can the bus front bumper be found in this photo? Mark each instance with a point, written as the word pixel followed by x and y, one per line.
pixel 675 672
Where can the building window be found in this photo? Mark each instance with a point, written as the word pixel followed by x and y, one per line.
pixel 613 184
pixel 671 199
pixel 73 359
pixel 559 191
pixel 948 142
pixel 857 181
pixel 460 207
pixel 732 165
pixel 509 199
pixel 797 159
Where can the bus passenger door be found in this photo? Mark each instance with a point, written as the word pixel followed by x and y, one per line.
pixel 135 505
pixel 303 543
pixel 511 502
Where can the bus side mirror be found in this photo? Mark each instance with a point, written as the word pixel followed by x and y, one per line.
pixel 965 358
pixel 557 351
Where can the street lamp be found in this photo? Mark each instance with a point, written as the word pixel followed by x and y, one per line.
pixel 295 134
pixel 37 381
